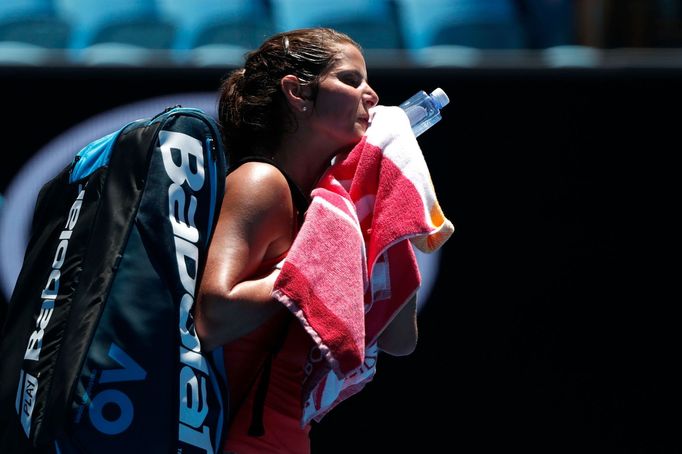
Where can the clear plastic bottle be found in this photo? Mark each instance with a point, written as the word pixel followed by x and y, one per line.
pixel 423 109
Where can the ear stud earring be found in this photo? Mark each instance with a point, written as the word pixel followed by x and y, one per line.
pixel 305 108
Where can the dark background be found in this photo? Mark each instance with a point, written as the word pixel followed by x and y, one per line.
pixel 553 325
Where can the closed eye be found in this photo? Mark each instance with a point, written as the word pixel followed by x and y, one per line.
pixel 351 78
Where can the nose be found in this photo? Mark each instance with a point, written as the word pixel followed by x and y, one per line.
pixel 370 97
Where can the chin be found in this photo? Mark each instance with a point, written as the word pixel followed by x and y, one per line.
pixel 356 139
pixel 348 146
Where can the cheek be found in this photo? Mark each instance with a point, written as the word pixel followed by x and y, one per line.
pixel 339 108
pixel 349 107
pixel 343 99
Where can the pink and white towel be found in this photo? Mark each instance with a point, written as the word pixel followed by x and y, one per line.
pixel 351 267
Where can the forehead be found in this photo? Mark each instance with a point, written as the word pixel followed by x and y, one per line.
pixel 349 57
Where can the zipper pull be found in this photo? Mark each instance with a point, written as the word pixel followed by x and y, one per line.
pixel 168 109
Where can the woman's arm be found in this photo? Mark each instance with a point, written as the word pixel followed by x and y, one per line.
pixel 399 338
pixel 255 224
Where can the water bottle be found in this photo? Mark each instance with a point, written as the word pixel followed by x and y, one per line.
pixel 423 109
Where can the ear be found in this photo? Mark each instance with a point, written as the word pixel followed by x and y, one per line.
pixel 294 92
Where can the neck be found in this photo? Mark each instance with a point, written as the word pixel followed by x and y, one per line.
pixel 304 160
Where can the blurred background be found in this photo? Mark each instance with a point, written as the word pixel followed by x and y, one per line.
pixel 551 325
pixel 461 33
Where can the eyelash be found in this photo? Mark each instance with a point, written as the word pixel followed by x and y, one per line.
pixel 352 81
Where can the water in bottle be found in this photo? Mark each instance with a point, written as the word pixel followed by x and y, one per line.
pixel 423 109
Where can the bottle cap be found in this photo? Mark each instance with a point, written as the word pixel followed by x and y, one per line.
pixel 441 98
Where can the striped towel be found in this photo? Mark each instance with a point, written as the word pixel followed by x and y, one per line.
pixel 351 267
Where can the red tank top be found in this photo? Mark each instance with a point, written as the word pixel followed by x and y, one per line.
pixel 245 360
pixel 282 405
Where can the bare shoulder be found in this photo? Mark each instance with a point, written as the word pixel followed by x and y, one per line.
pixel 257 195
pixel 256 182
pixel 258 176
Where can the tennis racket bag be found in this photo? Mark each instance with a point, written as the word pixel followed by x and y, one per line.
pixel 99 352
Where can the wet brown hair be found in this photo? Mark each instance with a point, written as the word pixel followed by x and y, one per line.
pixel 252 109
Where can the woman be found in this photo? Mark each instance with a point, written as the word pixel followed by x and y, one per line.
pixel 301 98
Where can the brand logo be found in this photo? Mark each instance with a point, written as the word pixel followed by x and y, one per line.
pixel 115 422
pixel 183 160
pixel 26 399
pixel 26 395
pixel 51 289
